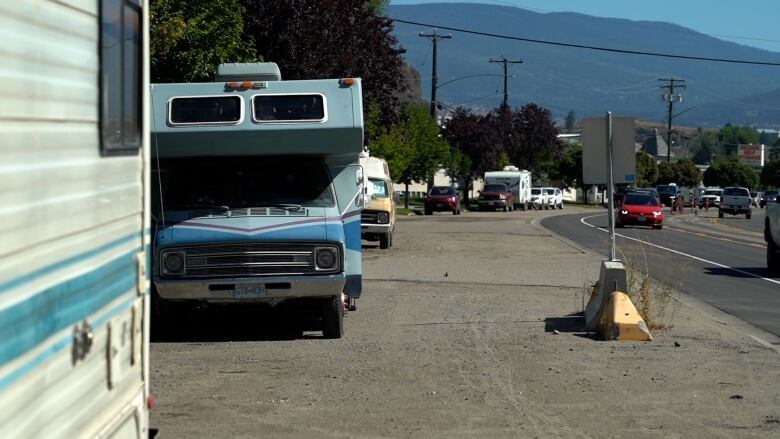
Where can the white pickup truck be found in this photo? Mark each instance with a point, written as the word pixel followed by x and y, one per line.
pixel 772 237
pixel 735 201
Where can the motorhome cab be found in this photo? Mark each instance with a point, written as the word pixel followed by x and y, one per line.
pixel 259 192
pixel 377 222
pixel 518 181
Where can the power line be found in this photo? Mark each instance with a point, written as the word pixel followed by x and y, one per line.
pixel 582 46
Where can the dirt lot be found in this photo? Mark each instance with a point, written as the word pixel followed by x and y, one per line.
pixel 454 338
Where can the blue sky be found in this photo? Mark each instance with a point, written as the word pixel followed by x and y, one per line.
pixel 752 21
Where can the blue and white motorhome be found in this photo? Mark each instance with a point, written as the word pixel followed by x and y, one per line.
pixel 259 192
pixel 74 241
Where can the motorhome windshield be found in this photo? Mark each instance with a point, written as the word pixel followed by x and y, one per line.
pixel 379 187
pixel 224 183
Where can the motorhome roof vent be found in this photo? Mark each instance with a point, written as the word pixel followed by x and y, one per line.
pixel 255 71
pixel 511 168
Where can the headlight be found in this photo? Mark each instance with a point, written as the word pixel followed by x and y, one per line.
pixel 382 218
pixel 656 213
pixel 173 263
pixel 624 212
pixel 326 258
pixel 502 196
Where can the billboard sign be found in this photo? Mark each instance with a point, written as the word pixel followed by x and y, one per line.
pixel 594 150
pixel 752 155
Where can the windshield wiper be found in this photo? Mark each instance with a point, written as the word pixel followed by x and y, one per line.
pixel 287 207
pixel 201 207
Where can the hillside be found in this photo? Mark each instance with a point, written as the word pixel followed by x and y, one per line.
pixel 585 81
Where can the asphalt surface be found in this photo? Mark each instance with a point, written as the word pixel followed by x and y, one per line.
pixel 719 261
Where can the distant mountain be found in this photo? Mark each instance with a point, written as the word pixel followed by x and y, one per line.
pixel 586 81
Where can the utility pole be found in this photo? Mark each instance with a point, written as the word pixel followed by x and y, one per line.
pixel 434 37
pixel 506 63
pixel 671 98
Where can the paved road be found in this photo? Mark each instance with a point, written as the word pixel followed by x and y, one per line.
pixel 720 262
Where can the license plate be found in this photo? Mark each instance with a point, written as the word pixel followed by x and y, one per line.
pixel 249 291
pixel 490 202
pixel 438 204
pixel 640 219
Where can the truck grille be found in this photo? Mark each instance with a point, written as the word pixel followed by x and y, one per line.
pixel 249 259
pixel 369 216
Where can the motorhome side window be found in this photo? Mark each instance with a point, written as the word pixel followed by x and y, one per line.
pixel 205 110
pixel 120 76
pixel 288 108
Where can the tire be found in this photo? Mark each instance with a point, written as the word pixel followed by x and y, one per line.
pixel 748 216
pixel 333 318
pixel 772 258
pixel 560 206
pixel 428 212
pixel 659 227
pixel 384 241
pixel 390 239
pixel 506 208
pixel 618 225
pixel 720 214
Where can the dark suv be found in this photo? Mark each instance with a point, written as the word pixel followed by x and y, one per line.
pixel 442 199
pixel 669 193
pixel 768 197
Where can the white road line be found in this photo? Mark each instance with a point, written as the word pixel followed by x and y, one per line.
pixel 582 220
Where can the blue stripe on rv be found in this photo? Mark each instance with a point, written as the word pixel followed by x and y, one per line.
pixel 24 325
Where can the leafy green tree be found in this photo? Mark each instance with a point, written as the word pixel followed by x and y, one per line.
pixel 687 173
pixel 394 146
pixel 312 39
pixel 770 175
pixel 190 38
pixel 731 136
pixel 430 150
pixel 667 173
pixel 646 170
pixel 459 168
pixel 568 169
pixel 705 146
pixel 528 135
pixel 730 172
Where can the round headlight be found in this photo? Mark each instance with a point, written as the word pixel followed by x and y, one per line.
pixel 174 263
pixel 326 258
pixel 382 217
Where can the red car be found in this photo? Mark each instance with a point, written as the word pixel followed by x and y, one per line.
pixel 442 199
pixel 496 196
pixel 639 209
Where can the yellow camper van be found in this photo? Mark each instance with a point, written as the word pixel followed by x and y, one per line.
pixel 377 222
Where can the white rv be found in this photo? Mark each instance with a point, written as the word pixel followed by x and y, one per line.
pixel 519 181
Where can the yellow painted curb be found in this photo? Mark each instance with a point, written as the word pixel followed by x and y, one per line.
pixel 621 320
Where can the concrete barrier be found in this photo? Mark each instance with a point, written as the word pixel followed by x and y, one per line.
pixel 612 278
pixel 621 320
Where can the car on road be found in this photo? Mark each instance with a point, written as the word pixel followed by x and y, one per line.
pixel 496 196
pixel 538 198
pixel 772 237
pixel 641 209
pixel 669 193
pixel 755 198
pixel 554 198
pixel 768 197
pixel 710 196
pixel 735 201
pixel 442 199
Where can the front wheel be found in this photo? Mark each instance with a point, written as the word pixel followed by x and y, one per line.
pixel 384 241
pixel 748 216
pixel 333 317
pixel 772 258
pixel 428 212
pixel 658 227
pixel 720 214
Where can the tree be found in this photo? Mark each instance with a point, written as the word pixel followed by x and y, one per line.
pixel 705 147
pixel 312 39
pixel 189 39
pixel 731 136
pixel 730 172
pixel 687 173
pixel 770 175
pixel 528 135
pixel 394 146
pixel 568 169
pixel 471 135
pixel 646 170
pixel 667 173
pixel 430 150
pixel 571 120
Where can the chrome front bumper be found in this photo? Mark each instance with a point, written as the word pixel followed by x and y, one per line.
pixel 374 229
pixel 276 287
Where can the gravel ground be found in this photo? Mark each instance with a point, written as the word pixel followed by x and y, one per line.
pixel 454 338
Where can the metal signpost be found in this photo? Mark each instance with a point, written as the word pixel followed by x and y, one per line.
pixel 608 157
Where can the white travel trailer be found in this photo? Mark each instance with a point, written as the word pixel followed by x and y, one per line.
pixel 519 181
pixel 74 246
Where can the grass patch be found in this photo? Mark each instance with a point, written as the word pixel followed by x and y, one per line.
pixel 651 298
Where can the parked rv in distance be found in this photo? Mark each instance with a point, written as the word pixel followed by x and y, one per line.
pixel 518 181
